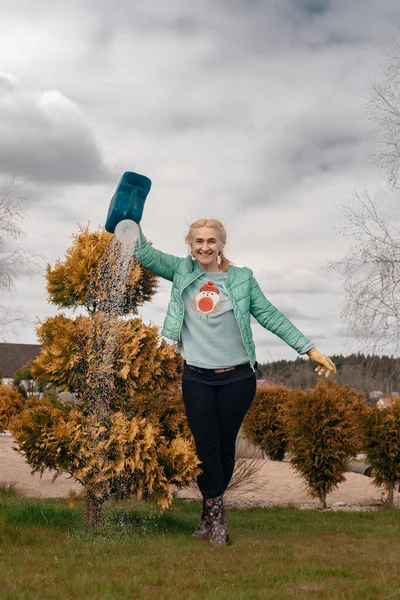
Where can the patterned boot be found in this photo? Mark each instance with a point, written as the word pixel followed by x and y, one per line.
pixel 219 528
pixel 203 529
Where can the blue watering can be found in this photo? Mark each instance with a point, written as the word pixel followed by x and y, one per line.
pixel 128 200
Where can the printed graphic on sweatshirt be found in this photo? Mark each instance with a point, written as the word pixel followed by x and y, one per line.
pixel 207 300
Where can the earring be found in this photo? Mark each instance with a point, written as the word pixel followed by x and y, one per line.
pixel 219 258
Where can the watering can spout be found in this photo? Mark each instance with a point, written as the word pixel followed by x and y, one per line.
pixel 128 200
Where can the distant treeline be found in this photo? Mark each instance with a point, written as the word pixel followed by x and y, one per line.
pixel 364 373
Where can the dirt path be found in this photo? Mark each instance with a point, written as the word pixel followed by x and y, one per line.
pixel 278 484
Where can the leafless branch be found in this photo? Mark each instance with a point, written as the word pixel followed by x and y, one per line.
pixel 384 108
pixel 371 273
pixel 14 258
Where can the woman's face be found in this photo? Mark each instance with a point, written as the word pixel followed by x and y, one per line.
pixel 205 247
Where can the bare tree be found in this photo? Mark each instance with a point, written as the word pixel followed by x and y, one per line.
pixel 371 269
pixel 14 259
pixel 371 274
pixel 384 108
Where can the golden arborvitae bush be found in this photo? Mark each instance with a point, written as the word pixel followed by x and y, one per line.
pixel 76 280
pixel 324 425
pixel 127 433
pixel 63 359
pixel 79 354
pixel 11 404
pixel 382 445
pixel 34 430
pixel 122 456
pixel 264 425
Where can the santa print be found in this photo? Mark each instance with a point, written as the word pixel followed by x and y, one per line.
pixel 207 300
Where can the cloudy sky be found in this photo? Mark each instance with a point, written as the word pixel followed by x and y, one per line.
pixel 250 111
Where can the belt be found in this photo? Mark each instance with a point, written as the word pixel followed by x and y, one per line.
pixel 192 368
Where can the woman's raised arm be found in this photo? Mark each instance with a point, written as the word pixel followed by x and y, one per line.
pixel 162 264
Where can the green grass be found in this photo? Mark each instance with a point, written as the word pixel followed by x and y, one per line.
pixel 9 490
pixel 277 554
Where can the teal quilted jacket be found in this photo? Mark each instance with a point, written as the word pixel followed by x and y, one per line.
pixel 244 291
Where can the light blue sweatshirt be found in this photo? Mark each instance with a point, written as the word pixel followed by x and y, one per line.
pixel 210 336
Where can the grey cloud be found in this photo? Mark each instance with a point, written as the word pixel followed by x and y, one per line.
pixel 287 286
pixel 53 158
pixel 290 311
pixel 269 340
pixel 293 312
pixel 7 83
pixel 303 143
pixel 185 121
pixel 314 7
pixel 241 27
pixel 297 283
pixel 314 153
pixel 43 138
pixel 160 309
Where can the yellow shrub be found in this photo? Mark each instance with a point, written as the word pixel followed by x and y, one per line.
pixel 382 445
pixel 11 404
pixel 324 425
pixel 127 433
pixel 264 425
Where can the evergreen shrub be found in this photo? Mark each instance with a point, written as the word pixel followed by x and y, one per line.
pixel 11 404
pixel 264 425
pixel 324 425
pixel 127 433
pixel 382 445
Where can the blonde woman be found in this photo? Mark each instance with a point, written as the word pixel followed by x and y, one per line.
pixel 209 317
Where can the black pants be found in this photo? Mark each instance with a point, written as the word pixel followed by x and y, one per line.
pixel 215 414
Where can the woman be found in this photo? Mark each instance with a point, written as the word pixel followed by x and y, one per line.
pixel 209 317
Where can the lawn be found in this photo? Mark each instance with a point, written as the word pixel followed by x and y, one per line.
pixel 277 553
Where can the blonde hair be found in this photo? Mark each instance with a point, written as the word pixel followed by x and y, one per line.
pixel 221 233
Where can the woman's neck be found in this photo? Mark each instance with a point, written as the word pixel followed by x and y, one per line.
pixel 211 268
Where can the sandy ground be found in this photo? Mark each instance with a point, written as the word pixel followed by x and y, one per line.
pixel 277 485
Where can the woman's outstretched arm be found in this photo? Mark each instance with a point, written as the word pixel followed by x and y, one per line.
pixel 162 264
pixel 272 319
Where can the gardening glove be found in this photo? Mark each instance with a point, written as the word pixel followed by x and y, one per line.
pixel 325 365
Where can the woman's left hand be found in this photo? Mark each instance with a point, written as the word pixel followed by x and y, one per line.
pixel 325 365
